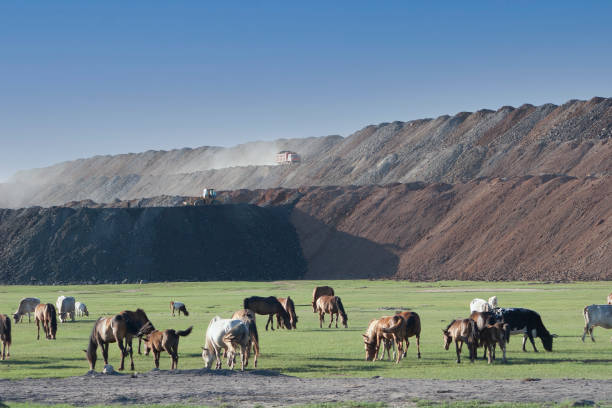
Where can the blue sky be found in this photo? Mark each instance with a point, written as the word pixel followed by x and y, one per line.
pixel 84 78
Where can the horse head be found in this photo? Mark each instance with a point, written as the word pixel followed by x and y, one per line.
pixel 370 348
pixel 208 356
pixel 447 339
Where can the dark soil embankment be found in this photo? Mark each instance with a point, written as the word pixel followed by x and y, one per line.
pixel 228 242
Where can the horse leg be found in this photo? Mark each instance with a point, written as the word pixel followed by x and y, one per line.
pixel 458 346
pixel 269 321
pixel 591 333
pixel 331 321
pixel 321 319
pixel 278 321
pixel 156 355
pixel 105 352
pixel 21 317
pixel 139 342
pixel 131 352
pixel 38 326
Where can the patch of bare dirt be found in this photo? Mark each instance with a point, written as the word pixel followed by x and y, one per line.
pixel 259 387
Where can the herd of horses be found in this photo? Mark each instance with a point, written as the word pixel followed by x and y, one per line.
pixel 488 326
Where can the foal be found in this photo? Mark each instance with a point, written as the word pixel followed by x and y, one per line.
pixel 462 331
pixel 167 340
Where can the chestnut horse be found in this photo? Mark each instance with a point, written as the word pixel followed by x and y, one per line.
pixel 248 316
pixel 290 309
pixel 413 328
pixel 333 306
pixel 387 331
pixel 318 292
pixel 167 340
pixel 268 306
pixel 45 313
pixel 5 335
pixel 462 331
pixel 117 329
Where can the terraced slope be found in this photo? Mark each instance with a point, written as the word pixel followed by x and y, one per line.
pixel 571 139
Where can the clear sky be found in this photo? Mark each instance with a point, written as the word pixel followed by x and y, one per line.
pixel 80 78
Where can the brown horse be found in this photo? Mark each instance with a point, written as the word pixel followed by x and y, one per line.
pixel 167 340
pixel 268 306
pixel 117 329
pixel 483 319
pixel 491 335
pixel 45 314
pixel 333 306
pixel 318 292
pixel 290 309
pixel 462 331
pixel 413 328
pixel 248 316
pixel 385 331
pixel 5 335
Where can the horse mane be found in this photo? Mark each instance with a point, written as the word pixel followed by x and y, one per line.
pixel 340 307
pixel 449 325
pixel 291 307
pixel 53 318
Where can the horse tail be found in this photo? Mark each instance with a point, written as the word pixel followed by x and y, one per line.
pixel 340 306
pixel 53 318
pixel 393 328
pixel 6 330
pixel 184 332
pixel 474 334
pixel 253 330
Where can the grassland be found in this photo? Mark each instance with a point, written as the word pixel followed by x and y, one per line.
pixel 314 352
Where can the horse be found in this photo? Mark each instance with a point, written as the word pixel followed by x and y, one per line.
pixel 65 307
pixel 318 292
pixel 168 340
pixel 483 319
pixel 387 331
pixel 248 316
pixel 268 306
pixel 332 305
pixel 490 336
pixel 26 305
pixel 45 314
pixel 290 309
pixel 223 334
pixel 81 309
pixel 413 328
pixel 462 331
pixel 180 306
pixel 5 335
pixel 122 327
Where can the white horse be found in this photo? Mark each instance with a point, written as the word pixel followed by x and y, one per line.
pixel 65 308
pixel 226 334
pixel 81 309
pixel 481 305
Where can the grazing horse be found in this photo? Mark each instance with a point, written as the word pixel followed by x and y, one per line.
pixel 413 328
pixel 168 340
pixel 225 334
pixel 117 329
pixel 290 309
pixel 179 306
pixel 26 305
pixel 388 330
pixel 462 331
pixel 248 316
pixel 45 314
pixel 332 305
pixel 318 292
pixel 5 335
pixel 81 309
pixel 65 308
pixel 268 306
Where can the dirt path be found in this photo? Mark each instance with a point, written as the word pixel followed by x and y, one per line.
pixel 260 387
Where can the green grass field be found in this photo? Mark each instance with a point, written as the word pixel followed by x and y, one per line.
pixel 314 352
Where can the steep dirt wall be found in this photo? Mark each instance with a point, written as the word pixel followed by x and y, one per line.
pixel 229 242
pixel 525 228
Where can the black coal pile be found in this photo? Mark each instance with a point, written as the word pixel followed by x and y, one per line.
pixel 94 245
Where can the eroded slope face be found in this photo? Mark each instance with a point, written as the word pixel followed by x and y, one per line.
pixel 569 139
